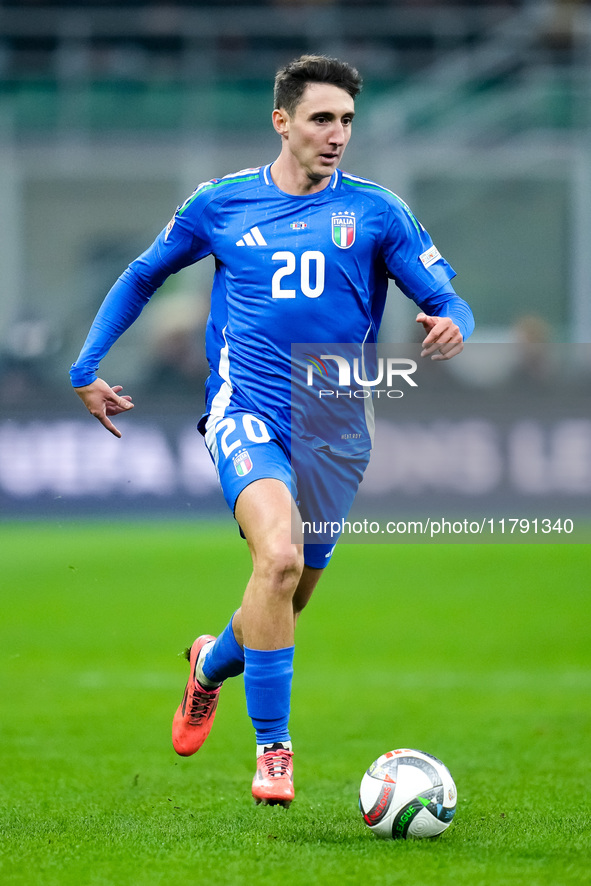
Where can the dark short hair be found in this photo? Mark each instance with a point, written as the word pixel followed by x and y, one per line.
pixel 291 81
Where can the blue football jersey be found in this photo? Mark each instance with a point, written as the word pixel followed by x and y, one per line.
pixel 288 269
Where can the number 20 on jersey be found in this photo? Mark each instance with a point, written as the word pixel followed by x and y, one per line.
pixel 311 274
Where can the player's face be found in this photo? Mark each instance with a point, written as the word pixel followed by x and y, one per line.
pixel 319 130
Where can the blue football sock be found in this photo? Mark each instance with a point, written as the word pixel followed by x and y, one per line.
pixel 267 683
pixel 225 658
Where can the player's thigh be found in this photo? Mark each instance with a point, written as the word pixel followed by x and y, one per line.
pixel 269 519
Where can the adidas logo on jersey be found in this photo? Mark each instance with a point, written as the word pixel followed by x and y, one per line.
pixel 252 238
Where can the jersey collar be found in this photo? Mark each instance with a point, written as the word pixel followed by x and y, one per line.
pixel 334 181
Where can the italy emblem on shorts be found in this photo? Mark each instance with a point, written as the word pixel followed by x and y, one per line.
pixel 242 463
pixel 343 229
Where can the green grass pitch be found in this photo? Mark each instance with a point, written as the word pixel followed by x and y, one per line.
pixel 478 654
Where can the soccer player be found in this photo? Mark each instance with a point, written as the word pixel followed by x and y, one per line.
pixel 303 253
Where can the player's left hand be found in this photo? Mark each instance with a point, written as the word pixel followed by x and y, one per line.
pixel 444 339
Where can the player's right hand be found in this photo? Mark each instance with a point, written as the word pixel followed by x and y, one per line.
pixel 101 400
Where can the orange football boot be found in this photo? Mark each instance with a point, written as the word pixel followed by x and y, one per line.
pixel 194 716
pixel 273 781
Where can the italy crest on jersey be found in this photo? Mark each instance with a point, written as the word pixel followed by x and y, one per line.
pixel 242 463
pixel 343 229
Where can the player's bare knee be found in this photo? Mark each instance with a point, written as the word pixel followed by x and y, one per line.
pixel 281 565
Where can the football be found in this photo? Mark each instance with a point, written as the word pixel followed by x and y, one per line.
pixel 407 793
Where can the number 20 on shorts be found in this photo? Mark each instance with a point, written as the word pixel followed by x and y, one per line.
pixel 254 429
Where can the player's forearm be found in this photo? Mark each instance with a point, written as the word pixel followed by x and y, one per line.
pixel 121 307
pixel 449 304
pixel 125 301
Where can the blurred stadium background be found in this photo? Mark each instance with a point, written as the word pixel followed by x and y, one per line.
pixel 477 114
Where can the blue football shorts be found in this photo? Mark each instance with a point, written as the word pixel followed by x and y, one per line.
pixel 245 448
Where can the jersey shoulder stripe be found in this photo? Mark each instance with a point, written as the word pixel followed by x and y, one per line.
pixel 244 175
pixel 363 183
